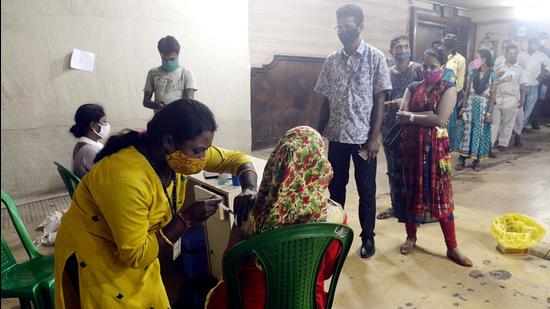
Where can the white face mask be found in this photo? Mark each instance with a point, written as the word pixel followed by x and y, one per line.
pixel 104 131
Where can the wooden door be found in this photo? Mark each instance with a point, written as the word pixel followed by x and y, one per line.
pixel 426 27
pixel 426 33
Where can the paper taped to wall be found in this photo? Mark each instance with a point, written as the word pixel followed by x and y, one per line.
pixel 82 60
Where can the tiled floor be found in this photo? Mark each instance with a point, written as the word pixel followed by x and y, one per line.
pixel 516 181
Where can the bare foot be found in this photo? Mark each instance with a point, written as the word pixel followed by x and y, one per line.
pixel 457 257
pixel 408 246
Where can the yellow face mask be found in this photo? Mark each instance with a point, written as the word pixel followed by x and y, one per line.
pixel 181 163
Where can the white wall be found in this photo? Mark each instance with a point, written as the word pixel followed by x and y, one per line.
pixel 39 93
pixel 492 14
pixel 306 27
pixel 501 22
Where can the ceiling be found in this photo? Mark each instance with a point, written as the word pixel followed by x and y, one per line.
pixel 478 4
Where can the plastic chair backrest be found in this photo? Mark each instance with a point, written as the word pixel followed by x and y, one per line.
pixel 20 226
pixel 69 178
pixel 290 258
pixel 7 257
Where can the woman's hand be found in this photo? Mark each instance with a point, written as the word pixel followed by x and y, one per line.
pixel 242 204
pixel 488 118
pixel 398 101
pixel 201 210
pixel 403 117
pixel 461 112
pixel 394 102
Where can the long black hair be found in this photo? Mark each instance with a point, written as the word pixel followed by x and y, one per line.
pixel 481 84
pixel 183 119
pixel 84 115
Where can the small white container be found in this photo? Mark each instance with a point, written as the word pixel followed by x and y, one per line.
pixel 223 179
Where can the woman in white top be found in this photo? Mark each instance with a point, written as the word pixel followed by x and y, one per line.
pixel 91 126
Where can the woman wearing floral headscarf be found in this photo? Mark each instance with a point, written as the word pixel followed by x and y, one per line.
pixel 293 191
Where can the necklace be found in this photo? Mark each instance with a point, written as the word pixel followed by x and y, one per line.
pixel 165 182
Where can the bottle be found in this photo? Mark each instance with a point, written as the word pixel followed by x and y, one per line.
pixel 222 179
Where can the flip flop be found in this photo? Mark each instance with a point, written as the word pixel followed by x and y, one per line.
pixel 388 213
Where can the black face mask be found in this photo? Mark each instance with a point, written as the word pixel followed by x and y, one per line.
pixel 348 36
pixel 449 43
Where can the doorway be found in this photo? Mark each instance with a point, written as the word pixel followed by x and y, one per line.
pixel 427 26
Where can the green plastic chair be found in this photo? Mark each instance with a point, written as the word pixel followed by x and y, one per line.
pixel 23 280
pixel 70 180
pixel 31 280
pixel 290 258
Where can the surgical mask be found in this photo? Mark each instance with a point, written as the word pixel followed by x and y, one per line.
pixel 170 65
pixel 432 77
pixel 103 131
pixel 449 43
pixel 478 63
pixel 181 163
pixel 348 36
pixel 402 57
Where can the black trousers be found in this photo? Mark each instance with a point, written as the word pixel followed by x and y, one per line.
pixel 339 155
pixel 397 187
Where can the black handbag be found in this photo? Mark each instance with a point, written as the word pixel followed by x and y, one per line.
pixel 393 137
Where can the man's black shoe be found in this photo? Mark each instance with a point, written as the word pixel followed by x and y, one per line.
pixel 367 249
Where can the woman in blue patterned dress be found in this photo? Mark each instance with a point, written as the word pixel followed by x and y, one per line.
pixel 474 132
pixel 453 123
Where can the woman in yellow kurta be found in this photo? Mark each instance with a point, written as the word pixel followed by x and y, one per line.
pixel 125 213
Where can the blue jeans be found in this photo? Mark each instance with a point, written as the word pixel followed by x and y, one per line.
pixel 531 97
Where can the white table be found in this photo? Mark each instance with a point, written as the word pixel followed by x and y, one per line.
pixel 219 225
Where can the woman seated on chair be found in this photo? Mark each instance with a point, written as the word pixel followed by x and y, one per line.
pixel 293 191
pixel 90 126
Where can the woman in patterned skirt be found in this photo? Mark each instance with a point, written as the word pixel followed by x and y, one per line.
pixel 475 129
pixel 425 145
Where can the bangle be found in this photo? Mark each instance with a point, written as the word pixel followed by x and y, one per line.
pixel 161 233
pixel 185 222
pixel 251 169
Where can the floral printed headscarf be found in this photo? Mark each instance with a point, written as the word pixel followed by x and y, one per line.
pixel 293 185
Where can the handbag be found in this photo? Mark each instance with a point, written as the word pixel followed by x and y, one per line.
pixel 393 137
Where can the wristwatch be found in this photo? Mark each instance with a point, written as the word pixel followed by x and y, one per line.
pixel 411 118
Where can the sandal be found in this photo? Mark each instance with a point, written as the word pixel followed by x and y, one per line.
pixel 457 257
pixel 476 166
pixel 460 166
pixel 388 213
pixel 408 247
